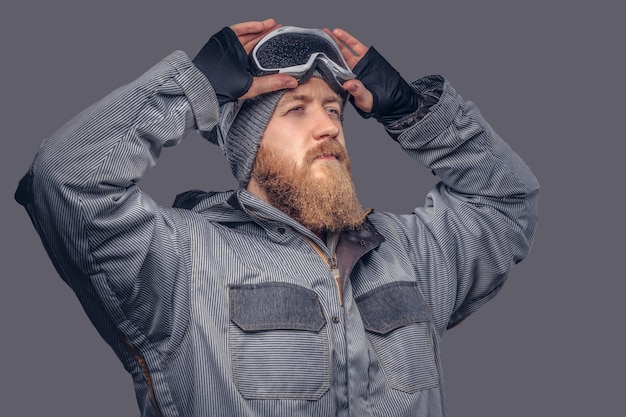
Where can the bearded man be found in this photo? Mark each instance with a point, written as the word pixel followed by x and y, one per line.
pixel 283 297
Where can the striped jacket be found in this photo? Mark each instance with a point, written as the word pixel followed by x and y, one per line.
pixel 226 306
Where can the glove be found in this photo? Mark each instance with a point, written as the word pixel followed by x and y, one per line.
pixel 225 64
pixel 393 97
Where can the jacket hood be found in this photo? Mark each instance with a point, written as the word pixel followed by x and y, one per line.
pixel 234 206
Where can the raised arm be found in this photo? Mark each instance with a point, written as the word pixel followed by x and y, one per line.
pixel 481 218
pixel 104 234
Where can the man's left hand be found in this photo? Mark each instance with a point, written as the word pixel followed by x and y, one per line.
pixel 353 51
pixel 379 90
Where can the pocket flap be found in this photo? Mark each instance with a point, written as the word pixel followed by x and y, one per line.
pixel 274 306
pixel 391 306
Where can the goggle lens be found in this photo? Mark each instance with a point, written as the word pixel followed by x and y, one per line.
pixel 294 49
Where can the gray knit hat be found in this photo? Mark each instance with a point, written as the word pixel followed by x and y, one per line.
pixel 241 141
pixel 242 124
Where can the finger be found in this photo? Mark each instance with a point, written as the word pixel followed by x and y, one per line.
pixel 248 31
pixel 269 83
pixel 252 27
pixel 252 41
pixel 348 54
pixel 353 43
pixel 352 52
pixel 363 98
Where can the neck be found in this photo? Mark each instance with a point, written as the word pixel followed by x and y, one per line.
pixel 256 189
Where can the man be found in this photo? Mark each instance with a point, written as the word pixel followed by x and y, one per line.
pixel 284 297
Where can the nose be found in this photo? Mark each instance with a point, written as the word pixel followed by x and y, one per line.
pixel 326 125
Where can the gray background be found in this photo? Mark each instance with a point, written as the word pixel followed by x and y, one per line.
pixel 547 75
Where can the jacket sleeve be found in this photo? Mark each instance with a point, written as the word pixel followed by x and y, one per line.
pixel 479 220
pixel 117 248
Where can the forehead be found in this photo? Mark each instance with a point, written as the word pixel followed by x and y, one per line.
pixel 314 88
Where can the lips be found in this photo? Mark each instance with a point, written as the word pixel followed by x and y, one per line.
pixel 327 156
pixel 329 150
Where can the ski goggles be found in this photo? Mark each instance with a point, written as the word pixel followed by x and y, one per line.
pixel 294 51
pixel 298 52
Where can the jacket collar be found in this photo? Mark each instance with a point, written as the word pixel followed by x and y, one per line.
pixel 237 206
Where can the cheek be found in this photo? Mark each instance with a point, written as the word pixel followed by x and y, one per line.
pixel 281 137
pixel 341 139
pixel 292 148
pixel 284 153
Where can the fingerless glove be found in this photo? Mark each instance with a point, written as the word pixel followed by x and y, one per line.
pixel 225 64
pixel 393 97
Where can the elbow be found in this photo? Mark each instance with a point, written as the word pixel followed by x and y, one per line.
pixel 527 221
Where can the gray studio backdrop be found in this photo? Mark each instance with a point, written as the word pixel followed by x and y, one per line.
pixel 547 75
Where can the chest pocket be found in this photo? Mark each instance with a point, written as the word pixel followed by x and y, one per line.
pixel 397 321
pixel 278 342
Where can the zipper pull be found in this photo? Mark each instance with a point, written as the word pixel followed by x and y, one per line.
pixel 334 269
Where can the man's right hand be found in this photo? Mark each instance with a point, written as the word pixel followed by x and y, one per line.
pixel 224 61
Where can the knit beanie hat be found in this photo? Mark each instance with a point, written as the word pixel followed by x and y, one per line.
pixel 241 143
pixel 242 124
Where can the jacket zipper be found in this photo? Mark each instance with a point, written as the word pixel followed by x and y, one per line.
pixel 146 375
pixel 332 263
pixel 334 268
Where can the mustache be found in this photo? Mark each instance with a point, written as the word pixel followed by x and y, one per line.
pixel 327 148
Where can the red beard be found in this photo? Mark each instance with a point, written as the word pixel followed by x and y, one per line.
pixel 325 202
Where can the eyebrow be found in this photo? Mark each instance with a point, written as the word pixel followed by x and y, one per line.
pixel 291 98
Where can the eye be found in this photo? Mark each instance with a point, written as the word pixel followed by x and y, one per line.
pixel 296 109
pixel 334 111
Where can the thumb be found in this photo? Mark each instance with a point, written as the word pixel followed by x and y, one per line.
pixel 363 98
pixel 269 83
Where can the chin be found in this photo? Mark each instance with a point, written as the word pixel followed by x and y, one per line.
pixel 321 173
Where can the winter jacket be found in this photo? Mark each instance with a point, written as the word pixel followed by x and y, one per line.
pixel 225 306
